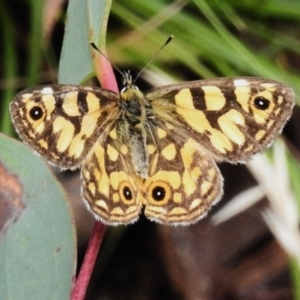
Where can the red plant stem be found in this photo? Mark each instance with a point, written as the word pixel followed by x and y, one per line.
pixel 87 267
pixel 104 72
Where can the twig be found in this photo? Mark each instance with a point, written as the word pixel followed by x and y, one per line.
pixel 86 270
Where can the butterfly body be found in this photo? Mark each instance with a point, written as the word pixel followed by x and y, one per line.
pixel 157 149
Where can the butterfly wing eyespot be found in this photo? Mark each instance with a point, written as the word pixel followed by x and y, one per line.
pixel 126 192
pixel 36 113
pixel 261 103
pixel 159 192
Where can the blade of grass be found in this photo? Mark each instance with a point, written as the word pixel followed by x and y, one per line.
pixel 247 56
pixel 10 69
pixel 207 43
pixel 35 42
pixel 295 274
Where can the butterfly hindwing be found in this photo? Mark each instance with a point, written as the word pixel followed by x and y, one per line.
pixel 183 183
pixel 110 187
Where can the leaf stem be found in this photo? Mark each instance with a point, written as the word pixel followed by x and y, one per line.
pixel 87 267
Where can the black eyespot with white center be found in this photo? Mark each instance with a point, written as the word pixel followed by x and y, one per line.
pixel 36 113
pixel 127 193
pixel 158 193
pixel 261 103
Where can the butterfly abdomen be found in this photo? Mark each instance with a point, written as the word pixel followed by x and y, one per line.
pixel 132 129
pixel 139 154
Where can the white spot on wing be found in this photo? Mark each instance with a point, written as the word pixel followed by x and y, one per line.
pixel 47 90
pixel 241 82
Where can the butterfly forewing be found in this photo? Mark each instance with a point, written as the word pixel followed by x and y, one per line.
pixel 62 122
pixel 233 118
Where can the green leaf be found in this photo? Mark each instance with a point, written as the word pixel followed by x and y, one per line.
pixel 37 241
pixel 86 22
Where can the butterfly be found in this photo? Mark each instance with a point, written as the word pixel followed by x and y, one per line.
pixel 154 151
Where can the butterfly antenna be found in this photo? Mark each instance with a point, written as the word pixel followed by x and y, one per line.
pixel 153 57
pixel 114 66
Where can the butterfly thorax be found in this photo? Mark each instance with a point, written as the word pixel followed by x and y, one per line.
pixel 132 125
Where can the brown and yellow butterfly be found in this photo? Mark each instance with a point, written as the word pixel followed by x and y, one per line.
pixel 157 149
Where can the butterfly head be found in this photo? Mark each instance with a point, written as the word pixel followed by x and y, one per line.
pixel 130 90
